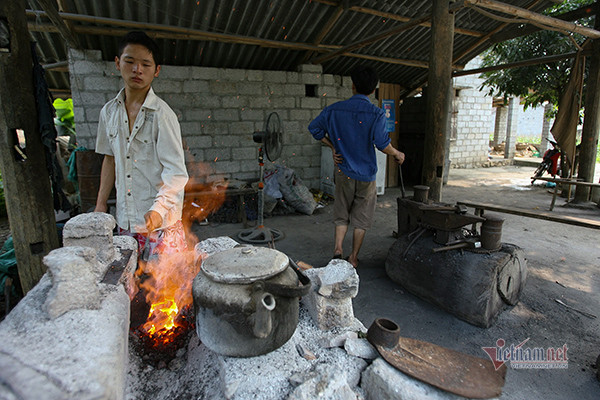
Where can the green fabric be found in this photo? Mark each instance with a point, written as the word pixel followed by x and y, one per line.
pixel 72 164
pixel 8 264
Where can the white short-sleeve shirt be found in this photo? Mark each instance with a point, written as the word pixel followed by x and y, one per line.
pixel 150 172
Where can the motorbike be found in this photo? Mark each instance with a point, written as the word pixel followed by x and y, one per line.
pixel 550 162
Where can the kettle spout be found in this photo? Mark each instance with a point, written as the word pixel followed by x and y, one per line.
pixel 262 320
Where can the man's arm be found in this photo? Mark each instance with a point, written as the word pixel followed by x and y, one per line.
pixel 337 158
pixel 107 183
pixel 392 151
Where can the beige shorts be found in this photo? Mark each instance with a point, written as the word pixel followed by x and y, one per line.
pixel 354 201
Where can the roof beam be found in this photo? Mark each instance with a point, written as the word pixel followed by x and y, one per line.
pixel 549 22
pixel 518 31
pixel 524 63
pixel 396 17
pixel 49 6
pixel 171 32
pixel 326 29
pixel 485 38
pixel 380 36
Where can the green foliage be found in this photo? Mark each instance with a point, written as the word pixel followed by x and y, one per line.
pixel 535 84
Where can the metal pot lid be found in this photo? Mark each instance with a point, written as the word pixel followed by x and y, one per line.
pixel 244 264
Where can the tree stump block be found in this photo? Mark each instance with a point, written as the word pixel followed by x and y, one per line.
pixel 473 286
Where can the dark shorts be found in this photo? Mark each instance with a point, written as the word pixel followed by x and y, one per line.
pixel 354 201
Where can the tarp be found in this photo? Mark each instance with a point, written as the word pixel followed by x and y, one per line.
pixel 564 128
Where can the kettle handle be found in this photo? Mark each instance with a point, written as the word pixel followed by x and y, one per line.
pixel 291 291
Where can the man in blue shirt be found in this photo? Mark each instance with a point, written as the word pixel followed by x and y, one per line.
pixel 353 128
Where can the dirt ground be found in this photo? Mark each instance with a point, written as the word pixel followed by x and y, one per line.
pixel 563 263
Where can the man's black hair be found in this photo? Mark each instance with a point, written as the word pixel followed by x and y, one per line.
pixel 139 37
pixel 365 79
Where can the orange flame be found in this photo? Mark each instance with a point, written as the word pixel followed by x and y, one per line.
pixel 167 280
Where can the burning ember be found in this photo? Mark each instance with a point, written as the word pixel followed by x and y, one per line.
pixel 165 281
pixel 167 285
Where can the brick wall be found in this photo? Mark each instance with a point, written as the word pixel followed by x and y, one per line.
pixel 474 121
pixel 218 110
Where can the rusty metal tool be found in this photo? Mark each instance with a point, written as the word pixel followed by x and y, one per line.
pixel 447 369
pixel 468 244
pixel 401 180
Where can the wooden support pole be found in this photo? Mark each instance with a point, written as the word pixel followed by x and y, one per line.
pixel 438 97
pixel 26 181
pixel 591 122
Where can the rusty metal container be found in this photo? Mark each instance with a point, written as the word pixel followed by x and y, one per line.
pixel 491 232
pixel 421 193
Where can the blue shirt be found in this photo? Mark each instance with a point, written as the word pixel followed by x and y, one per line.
pixel 354 126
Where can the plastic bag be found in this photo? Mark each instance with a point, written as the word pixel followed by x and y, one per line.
pixel 294 191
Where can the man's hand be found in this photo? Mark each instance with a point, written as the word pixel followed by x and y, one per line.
pixel 153 220
pixel 337 157
pixel 399 157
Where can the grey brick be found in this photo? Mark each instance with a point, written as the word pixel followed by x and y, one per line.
pixel 91 55
pixel 85 67
pixel 92 114
pixel 312 68
pixel 310 102
pixel 255 75
pixel 294 90
pixel 226 114
pixel 249 114
pixel 189 129
pixel 195 86
pixel 260 102
pixel 244 176
pixel 293 77
pixel 244 153
pixel 233 74
pixel 89 99
pixel 198 141
pixel 206 101
pixel 215 128
pixel 300 115
pixel 176 100
pixel 228 166
pixel 100 84
pixel 218 153
pixel 252 167
pixel 167 86
pixel 328 80
pixel 274 89
pixel 311 78
pixel 223 87
pixel 169 72
pixel 226 140
pixel 252 88
pixel 205 73
pixel 283 102
pixel 241 128
pixel 232 101
pixel 276 76
pixel 311 150
pixel 195 114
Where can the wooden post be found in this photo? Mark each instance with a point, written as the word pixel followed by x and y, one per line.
pixel 591 122
pixel 26 181
pixel 438 97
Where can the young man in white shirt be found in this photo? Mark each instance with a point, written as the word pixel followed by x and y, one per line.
pixel 140 138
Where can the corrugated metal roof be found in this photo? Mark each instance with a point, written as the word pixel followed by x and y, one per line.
pixel 277 22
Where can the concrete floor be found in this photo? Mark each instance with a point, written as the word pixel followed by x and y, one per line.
pixel 563 262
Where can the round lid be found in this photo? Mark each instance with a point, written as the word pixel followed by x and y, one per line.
pixel 244 264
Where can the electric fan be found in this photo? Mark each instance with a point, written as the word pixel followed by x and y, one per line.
pixel 271 143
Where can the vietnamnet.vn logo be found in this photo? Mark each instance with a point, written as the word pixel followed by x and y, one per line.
pixel 521 357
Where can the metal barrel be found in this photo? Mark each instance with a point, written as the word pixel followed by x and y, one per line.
pixel 491 232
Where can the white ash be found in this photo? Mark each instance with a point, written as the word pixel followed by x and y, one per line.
pixel 207 375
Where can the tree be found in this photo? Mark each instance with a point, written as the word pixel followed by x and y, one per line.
pixel 535 84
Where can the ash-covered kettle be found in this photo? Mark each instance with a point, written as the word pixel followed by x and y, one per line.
pixel 246 300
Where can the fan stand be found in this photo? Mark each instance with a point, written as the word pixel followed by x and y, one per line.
pixel 260 234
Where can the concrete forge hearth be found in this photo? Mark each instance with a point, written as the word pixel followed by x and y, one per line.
pixel 68 338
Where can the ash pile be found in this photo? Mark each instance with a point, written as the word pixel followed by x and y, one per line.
pixel 456 260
